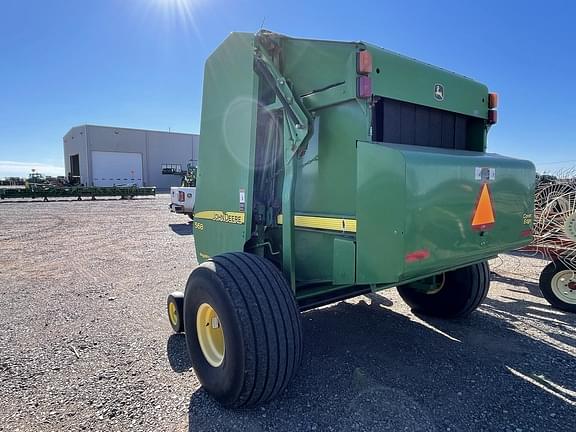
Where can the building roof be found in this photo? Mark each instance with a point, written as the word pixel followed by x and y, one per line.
pixel 131 129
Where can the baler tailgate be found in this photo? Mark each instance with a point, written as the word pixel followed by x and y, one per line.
pixel 441 207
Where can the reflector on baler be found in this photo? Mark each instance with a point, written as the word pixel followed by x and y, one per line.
pixel 364 87
pixel 492 100
pixel 492 116
pixel 483 217
pixel 364 62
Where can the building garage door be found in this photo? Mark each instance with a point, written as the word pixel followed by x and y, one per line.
pixel 116 168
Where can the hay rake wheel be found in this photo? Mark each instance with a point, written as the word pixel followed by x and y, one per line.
pixel 555 238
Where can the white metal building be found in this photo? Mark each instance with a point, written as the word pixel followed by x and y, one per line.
pixel 108 156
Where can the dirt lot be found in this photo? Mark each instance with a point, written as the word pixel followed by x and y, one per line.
pixel 85 345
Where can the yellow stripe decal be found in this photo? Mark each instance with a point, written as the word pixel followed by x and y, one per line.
pixel 221 216
pixel 324 223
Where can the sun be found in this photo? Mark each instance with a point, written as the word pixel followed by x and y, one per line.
pixel 176 12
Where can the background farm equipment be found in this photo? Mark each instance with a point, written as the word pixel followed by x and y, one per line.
pixel 188 175
pixel 39 186
pixel 555 237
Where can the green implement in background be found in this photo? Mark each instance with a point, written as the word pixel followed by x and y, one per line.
pixel 78 192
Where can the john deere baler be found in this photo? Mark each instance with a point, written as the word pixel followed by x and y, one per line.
pixel 327 170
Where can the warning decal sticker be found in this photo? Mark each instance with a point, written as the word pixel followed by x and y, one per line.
pixel 485 174
pixel 483 217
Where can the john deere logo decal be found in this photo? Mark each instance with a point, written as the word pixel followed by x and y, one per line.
pixel 439 92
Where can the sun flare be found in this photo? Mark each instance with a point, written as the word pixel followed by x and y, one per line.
pixel 183 5
pixel 176 12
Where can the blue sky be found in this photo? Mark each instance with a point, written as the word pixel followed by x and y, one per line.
pixel 139 63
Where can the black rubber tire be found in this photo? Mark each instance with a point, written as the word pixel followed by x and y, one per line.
pixel 463 291
pixel 261 325
pixel 546 286
pixel 177 298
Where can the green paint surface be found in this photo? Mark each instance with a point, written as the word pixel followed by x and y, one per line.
pixel 227 133
pixel 404 199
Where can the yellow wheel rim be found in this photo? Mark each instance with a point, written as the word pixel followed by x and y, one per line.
pixel 210 335
pixel 173 313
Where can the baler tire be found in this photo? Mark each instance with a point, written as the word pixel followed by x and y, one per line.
pixel 175 307
pixel 548 285
pixel 464 289
pixel 260 323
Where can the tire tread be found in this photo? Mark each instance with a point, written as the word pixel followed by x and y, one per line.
pixel 270 320
pixel 446 304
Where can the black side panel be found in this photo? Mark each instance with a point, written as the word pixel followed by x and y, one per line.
pixel 405 123
pixel 448 130
pixel 421 134
pixel 460 133
pixel 434 129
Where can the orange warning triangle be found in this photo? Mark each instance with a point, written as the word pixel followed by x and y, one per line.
pixel 484 213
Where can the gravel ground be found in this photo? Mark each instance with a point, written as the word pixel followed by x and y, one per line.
pixel 85 344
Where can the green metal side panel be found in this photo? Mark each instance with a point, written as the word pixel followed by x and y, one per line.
pixel 422 200
pixel 326 184
pixel 344 262
pixel 398 77
pixel 314 251
pixel 226 154
pixel 381 212
pixel 314 67
pixel 327 172
pixel 442 193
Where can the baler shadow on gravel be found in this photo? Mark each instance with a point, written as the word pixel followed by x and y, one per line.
pixel 329 170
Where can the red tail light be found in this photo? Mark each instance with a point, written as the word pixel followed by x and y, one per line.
pixel 364 62
pixel 492 116
pixel 492 100
pixel 181 196
pixel 364 87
